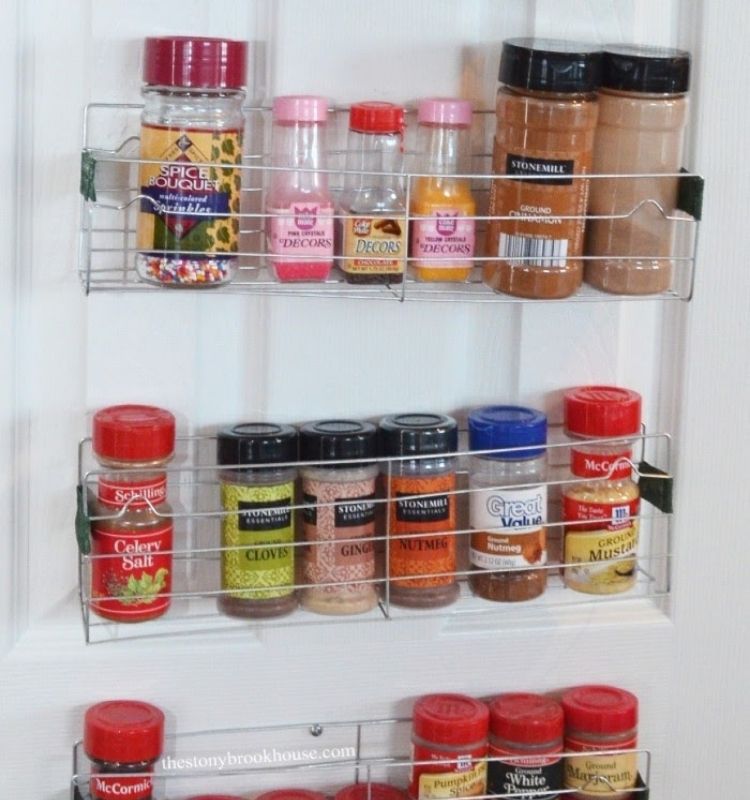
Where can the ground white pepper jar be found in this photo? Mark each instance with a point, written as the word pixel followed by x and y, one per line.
pixel 339 516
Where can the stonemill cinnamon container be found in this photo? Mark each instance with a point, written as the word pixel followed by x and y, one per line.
pixel 546 117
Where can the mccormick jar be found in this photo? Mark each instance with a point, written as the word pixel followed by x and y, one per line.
pixel 643 108
pixel 600 718
pixel 600 511
pixel 451 730
pixel 441 204
pixel 299 205
pixel 546 117
pixel 257 495
pixel 422 508
pixel 188 219
pixel 509 537
pixel 131 559
pixel 339 516
pixel 373 201
pixel 123 739
pixel 526 739
pixel 369 791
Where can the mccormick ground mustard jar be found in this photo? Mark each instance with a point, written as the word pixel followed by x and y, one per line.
pixel 600 510
pixel 188 216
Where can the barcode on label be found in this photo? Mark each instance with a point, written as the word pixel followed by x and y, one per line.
pixel 532 251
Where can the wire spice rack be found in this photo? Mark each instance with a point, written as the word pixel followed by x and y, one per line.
pixel 110 201
pixel 194 494
pixel 323 757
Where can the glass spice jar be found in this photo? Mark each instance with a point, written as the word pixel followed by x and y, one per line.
pixel 450 730
pixel 509 536
pixel 600 718
pixel 422 508
pixel 257 495
pixel 546 118
pixel 369 791
pixel 123 739
pixel 339 516
pixel 600 511
pixel 188 220
pixel 526 739
pixel 131 543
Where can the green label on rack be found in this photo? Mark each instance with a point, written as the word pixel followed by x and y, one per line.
pixel 88 176
pixel 83 525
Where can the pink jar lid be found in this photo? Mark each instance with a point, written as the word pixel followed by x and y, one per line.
pixel 445 111
pixel 300 108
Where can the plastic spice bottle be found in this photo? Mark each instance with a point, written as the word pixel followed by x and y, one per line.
pixel 600 718
pixel 257 498
pixel 601 530
pixel 369 791
pixel 339 516
pixel 451 730
pixel 300 225
pixel 526 739
pixel 509 523
pixel 123 739
pixel 374 228
pixel 131 566
pixel 546 118
pixel 643 108
pixel 443 245
pixel 422 509
pixel 188 223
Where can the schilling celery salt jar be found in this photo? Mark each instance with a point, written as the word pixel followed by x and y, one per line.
pixel 188 216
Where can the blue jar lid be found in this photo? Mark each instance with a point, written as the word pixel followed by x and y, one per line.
pixel 493 427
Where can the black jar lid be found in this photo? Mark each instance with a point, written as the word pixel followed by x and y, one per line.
pixel 550 65
pixel 418 434
pixel 332 439
pixel 645 68
pixel 256 443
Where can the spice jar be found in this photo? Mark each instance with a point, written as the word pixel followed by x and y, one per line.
pixel 643 109
pixel 339 516
pixel 123 739
pixel 369 791
pixel 188 218
pixel 546 117
pixel 600 718
pixel 450 730
pixel 600 511
pixel 422 508
pixel 131 564
pixel 257 494
pixel 526 739
pixel 510 538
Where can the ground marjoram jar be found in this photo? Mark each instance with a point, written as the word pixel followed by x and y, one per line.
pixel 599 718
pixel 422 510
pixel 600 512
pixel 450 730
pixel 339 516
pixel 546 117
pixel 131 564
pixel 643 108
pixel 123 739
pixel 509 524
pixel 257 493
pixel 188 220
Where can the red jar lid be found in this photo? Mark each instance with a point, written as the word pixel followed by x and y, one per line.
pixel 291 794
pixel 450 719
pixel 369 791
pixel 602 411
pixel 600 709
pixel 216 797
pixel 123 731
pixel 376 117
pixel 133 433
pixel 526 718
pixel 195 62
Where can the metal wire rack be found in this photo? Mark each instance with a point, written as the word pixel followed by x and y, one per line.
pixel 194 481
pixel 111 198
pixel 324 757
